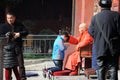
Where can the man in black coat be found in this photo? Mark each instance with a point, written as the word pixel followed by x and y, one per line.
pixel 15 31
pixel 106 24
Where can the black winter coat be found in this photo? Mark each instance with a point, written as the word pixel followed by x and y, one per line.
pixel 110 24
pixel 18 27
pixel 10 55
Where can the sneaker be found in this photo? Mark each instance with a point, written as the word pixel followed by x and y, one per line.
pixel 108 75
pixel 44 73
pixel 49 76
pixel 11 78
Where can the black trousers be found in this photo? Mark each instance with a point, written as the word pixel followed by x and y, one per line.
pixel 19 52
pixel 58 66
pixel 108 64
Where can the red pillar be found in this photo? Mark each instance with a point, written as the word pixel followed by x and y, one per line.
pixel 83 13
pixel 116 5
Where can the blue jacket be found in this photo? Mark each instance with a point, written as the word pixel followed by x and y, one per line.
pixel 58 49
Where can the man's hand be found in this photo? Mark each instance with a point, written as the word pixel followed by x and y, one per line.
pixel 16 35
pixel 67 44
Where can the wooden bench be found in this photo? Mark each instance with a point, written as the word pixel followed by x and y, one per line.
pixel 89 71
pixel 86 63
pixel 60 73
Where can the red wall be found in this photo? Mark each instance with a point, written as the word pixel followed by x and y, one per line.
pixel 83 13
pixel 115 5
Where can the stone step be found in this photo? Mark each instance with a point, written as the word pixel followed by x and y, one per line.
pixel 36 65
pixel 34 61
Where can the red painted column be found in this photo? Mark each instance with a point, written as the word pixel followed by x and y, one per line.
pixel 78 15
pixel 83 13
pixel 115 5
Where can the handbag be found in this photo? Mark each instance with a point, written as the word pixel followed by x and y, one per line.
pixel 113 43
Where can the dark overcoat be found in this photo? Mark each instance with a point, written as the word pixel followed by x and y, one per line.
pixel 10 53
pixel 110 24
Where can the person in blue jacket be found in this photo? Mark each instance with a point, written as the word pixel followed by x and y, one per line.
pixel 58 53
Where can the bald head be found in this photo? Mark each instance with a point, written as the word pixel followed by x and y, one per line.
pixel 82 27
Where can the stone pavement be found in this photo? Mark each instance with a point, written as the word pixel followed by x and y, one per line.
pixel 36 66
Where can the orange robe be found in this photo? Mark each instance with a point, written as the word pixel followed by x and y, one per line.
pixel 73 58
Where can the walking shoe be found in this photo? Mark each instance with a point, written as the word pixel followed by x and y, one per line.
pixel 108 75
pixel 11 78
pixel 44 72
pixel 49 76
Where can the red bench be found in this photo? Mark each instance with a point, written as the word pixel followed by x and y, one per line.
pixel 60 73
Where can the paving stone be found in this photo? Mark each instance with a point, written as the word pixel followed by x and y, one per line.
pixel 37 68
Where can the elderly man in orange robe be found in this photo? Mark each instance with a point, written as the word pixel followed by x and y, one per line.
pixel 82 42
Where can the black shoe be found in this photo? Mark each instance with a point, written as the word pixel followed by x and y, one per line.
pixel 49 76
pixel 44 73
pixel 108 76
pixel 11 78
